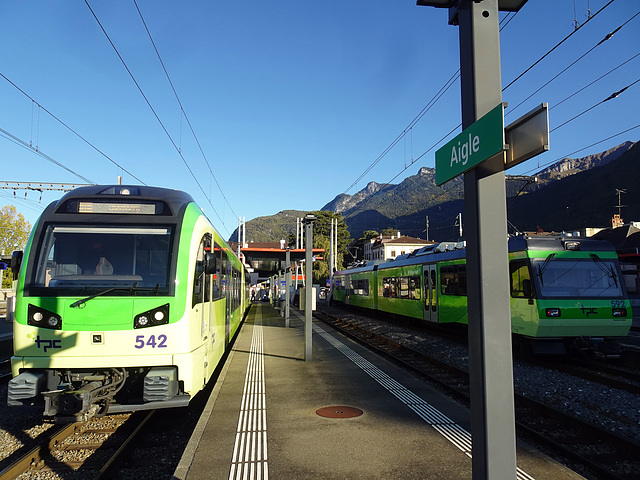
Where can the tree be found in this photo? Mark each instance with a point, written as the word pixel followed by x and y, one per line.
pixel 14 232
pixel 322 239
pixel 390 232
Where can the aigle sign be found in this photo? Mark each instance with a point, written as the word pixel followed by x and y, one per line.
pixel 480 141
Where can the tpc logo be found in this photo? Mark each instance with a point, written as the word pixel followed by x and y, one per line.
pixel 47 344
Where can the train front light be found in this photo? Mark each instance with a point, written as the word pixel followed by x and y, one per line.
pixel 152 318
pixel 553 312
pixel 40 317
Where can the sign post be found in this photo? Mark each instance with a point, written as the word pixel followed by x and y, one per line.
pixel 490 361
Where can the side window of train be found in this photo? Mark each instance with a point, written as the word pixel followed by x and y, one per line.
pixel 206 241
pixel 520 279
pixel 453 280
pixel 201 282
pixel 198 277
pixel 217 277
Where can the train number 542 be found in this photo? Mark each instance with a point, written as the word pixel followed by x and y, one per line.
pixel 151 341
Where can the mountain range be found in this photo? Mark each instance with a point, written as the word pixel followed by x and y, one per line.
pixel 571 194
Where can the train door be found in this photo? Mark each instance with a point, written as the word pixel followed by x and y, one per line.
pixel 226 293
pixel 347 289
pixel 201 301
pixel 429 280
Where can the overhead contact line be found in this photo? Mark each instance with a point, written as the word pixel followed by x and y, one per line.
pixel 607 37
pixel 182 108
pixel 154 112
pixel 71 130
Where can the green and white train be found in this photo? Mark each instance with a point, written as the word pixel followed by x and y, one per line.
pixel 127 299
pixel 561 288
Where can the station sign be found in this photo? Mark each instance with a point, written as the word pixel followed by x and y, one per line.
pixel 478 142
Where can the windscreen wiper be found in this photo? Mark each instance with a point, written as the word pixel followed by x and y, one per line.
pixel 133 288
pixel 544 266
pixel 609 271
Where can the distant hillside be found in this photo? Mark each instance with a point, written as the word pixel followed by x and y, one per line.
pixel 584 199
pixel 272 228
pixel 570 194
pixel 571 166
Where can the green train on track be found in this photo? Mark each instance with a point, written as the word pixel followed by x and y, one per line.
pixel 127 299
pixel 563 290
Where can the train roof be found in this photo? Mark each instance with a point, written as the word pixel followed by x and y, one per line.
pixel 175 200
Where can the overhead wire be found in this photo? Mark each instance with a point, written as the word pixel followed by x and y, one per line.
pixel 182 110
pixel 614 95
pixel 503 23
pixel 593 82
pixel 178 150
pixel 610 97
pixel 34 102
pixel 607 37
pixel 556 46
pixel 39 152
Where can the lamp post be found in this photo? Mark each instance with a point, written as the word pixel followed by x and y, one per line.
pixel 308 311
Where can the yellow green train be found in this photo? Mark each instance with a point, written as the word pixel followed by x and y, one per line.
pixel 562 289
pixel 127 299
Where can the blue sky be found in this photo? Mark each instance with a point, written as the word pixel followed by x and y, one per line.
pixel 290 101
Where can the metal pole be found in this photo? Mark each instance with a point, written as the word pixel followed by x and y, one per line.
pixel 287 286
pixel 427 220
pixel 490 362
pixel 308 237
pixel 331 257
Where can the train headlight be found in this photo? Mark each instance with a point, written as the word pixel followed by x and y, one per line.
pixel 142 321
pixel 619 312
pixel 40 317
pixel 53 321
pixel 553 312
pixel 152 318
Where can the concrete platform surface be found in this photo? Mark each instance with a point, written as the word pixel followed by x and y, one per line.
pixel 261 419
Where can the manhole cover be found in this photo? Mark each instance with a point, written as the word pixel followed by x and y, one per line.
pixel 339 412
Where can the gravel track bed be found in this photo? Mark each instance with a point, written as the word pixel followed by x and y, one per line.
pixel 612 409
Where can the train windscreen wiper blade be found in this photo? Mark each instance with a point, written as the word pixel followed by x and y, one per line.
pixel 133 288
pixel 544 266
pixel 609 271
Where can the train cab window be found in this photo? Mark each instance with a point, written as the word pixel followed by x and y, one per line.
pixel 90 258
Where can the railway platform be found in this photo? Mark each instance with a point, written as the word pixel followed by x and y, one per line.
pixel 347 414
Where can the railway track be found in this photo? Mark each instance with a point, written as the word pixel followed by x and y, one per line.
pixel 90 449
pixel 591 450
pixel 606 373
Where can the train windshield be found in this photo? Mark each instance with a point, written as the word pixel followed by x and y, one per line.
pixel 80 259
pixel 577 277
